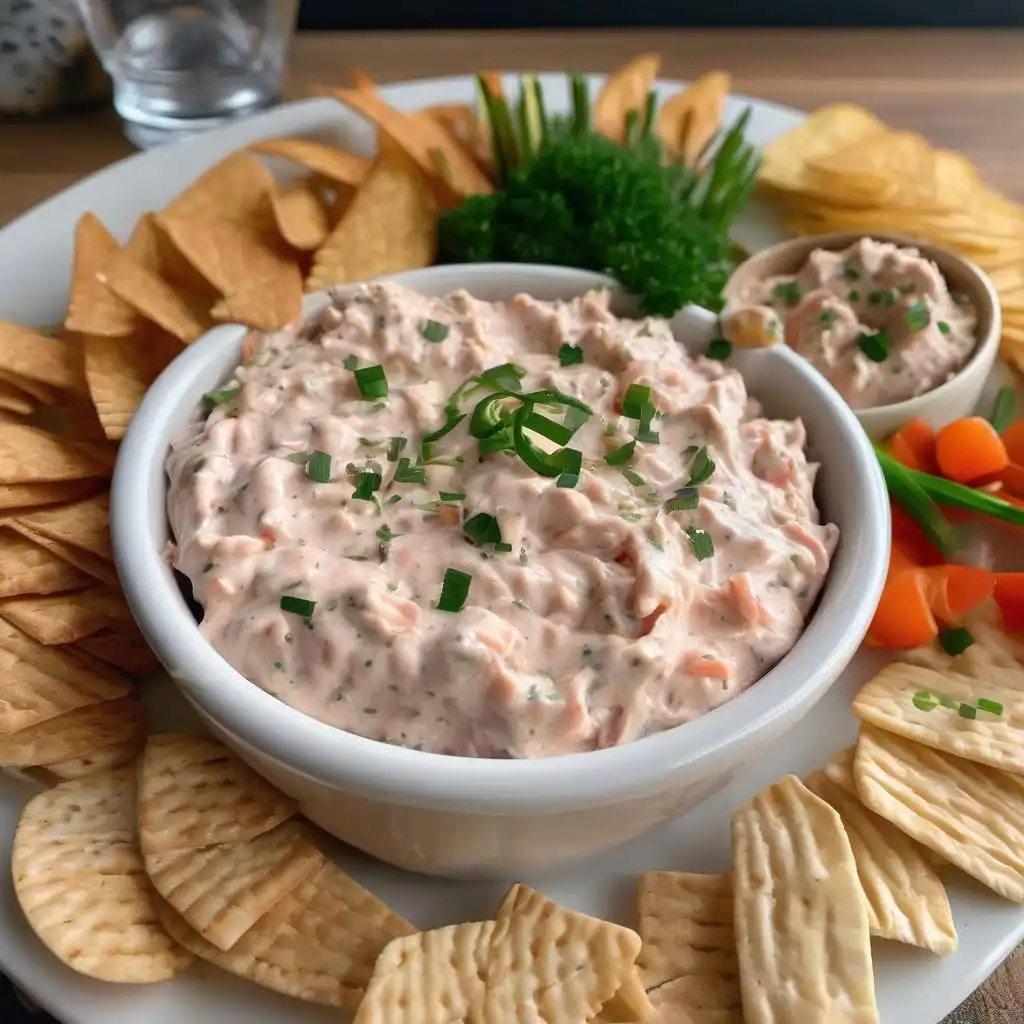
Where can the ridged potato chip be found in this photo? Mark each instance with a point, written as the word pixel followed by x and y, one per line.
pixel 801 921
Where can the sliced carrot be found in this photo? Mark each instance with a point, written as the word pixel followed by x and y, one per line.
pixel 1009 595
pixel 956 590
pixel 904 617
pixel 910 539
pixel 1012 478
pixel 900 560
pixel 914 445
pixel 1013 438
pixel 970 449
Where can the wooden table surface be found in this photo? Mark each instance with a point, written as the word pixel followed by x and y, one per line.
pixel 962 89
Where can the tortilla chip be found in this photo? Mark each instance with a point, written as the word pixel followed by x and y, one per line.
pixel 360 79
pixel 623 91
pixel 42 393
pixel 231 190
pixel 92 307
pixel 302 214
pixel 194 792
pixel 16 399
pixel 125 650
pixel 32 456
pixel 78 877
pixel 23 497
pixel 802 928
pixel 83 524
pixel 257 276
pixel 64 618
pixel 97 568
pixel 390 226
pixel 688 121
pixel 27 568
pixel 331 162
pixel 35 357
pixel 120 370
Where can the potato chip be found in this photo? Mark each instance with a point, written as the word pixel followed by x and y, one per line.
pixel 319 943
pixel 104 759
pixel 969 813
pixel 302 213
pixel 232 190
pixel 429 144
pixel 688 121
pixel 839 769
pixel 33 356
pixel 331 162
pixel 124 649
pixel 257 276
pixel 75 734
pixel 434 977
pixel 83 524
pixel 390 226
pixel 119 371
pixel 92 307
pixel 27 568
pixel 78 877
pixel 549 963
pixel 906 700
pixel 688 957
pixel 67 617
pixel 623 91
pixel 803 942
pixel 222 891
pixel 906 899
pixel 194 792
pixel 31 456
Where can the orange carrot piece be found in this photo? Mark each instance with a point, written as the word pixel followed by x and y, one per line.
pixel 900 560
pixel 1012 479
pixel 970 449
pixel 956 590
pixel 1009 595
pixel 910 539
pixel 1013 438
pixel 914 445
pixel 903 618
pixel 708 667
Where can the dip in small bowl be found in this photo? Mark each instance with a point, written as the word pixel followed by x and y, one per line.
pixel 900 328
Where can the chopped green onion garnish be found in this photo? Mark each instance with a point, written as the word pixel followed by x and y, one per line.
pixel 719 348
pixel 700 543
pixel 634 478
pixel 488 416
pixel 396 448
pixel 886 297
pixel 384 533
pixel 368 442
pixel 876 346
pixel 434 331
pixel 548 428
pixel 506 377
pixel 685 499
pixel 499 441
pixel 1002 411
pixel 454 590
pixel 917 316
pixel 452 495
pixel 701 468
pixel 318 467
pixel 221 395
pixel 350 362
pixel 453 420
pixel 570 355
pixel 503 547
pixel 956 640
pixel 827 317
pixel 944 328
pixel 482 529
pixel 297 605
pixel 572 461
pixel 393 500
pixel 406 473
pixel 549 396
pixel 537 459
pixel 367 481
pixel 636 402
pixel 924 701
pixel 967 711
pixel 372 381
pixel 621 455
pixel 904 486
pixel 647 436
pixel 850 272
pixel 993 707
pixel 790 292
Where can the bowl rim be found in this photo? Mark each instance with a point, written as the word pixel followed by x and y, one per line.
pixel 344 760
pixel 984 347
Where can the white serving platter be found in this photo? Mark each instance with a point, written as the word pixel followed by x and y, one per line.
pixel 914 987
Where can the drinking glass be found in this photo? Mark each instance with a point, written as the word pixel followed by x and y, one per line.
pixel 184 67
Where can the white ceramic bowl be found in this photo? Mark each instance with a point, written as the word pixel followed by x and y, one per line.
pixel 949 401
pixel 471 817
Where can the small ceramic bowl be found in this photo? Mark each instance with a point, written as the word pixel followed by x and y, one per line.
pixel 959 395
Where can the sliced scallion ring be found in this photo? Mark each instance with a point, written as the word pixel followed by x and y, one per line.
pixel 454 590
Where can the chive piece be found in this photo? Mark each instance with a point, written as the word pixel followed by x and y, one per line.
pixel 946 702
pixel 876 346
pixel 632 128
pixel 650 105
pixel 924 701
pixel 297 605
pixel 967 710
pixel 853 295
pixel 536 458
pixel 454 590
pixel 908 491
pixel 427 506
pixel 499 441
pixel 827 317
pixel 507 377
pixel 367 482
pixel 621 455
pixel 452 495
pixel 636 401
pixel 789 292
pixel 384 533
pixel 549 396
pixel 406 473
pixel 482 529
pixel 572 462
pixel 944 328
pixel 503 547
pixel 548 428
pixel 372 382
pixel 700 543
pixel 396 447
pixel 570 355
pixel 685 499
pixel 701 469
pixel 580 105
pixel 454 419
pixel 434 331
pixel 1002 411
pixel 633 477
pixel 221 395
pixel 647 436
pixel 917 316
pixel 318 468
pixel 956 640
pixel 488 416
pixel 719 349
pixel 350 362
pixel 850 272
pixel 885 298
pixel 993 707
pixel 393 500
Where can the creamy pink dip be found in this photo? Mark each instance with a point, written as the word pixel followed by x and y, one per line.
pixel 877 320
pixel 599 625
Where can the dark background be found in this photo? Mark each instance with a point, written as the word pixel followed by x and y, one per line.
pixel 412 14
